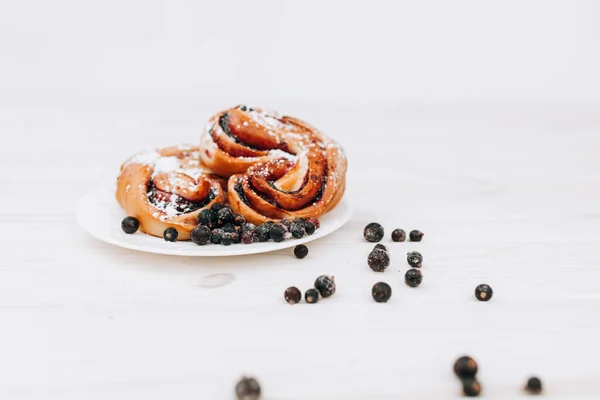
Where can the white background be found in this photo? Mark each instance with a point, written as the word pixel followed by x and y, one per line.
pixel 477 122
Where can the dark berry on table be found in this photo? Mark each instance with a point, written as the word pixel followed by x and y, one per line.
pixel 247 237
pixel 471 388
pixel 413 277
pixel 416 236
pixel 217 206
pixel 277 233
pixel 239 219
pixel 225 215
pixel 378 260
pixel 227 238
pixel 292 295
pixel 298 230
pixel 301 251
pixel 398 235
pixel 248 227
pixel 170 234
pixel 310 228
pixel 534 385
pixel 247 389
pixel 261 233
pixel 217 235
pixel 315 222
pixel 287 223
pixel 483 292
pixel 311 296
pixel 381 292
pixel 373 232
pixel 381 247
pixel 325 285
pixel 228 227
pixel 200 235
pixel 208 217
pixel 465 367
pixel 414 259
pixel 130 225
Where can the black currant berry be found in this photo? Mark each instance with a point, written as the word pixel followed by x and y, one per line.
pixel 239 219
pixel 413 277
pixel 261 233
pixel 378 260
pixel 248 227
pixel 416 236
pixel 534 385
pixel 310 228
pixel 298 229
pixel 207 217
pixel 483 292
pixel 287 223
pixel 200 235
pixel 398 235
pixel 217 206
pixel 277 233
pixel 414 259
pixel 228 227
pixel 228 238
pixel 471 388
pixel 380 247
pixel 247 389
pixel 315 222
pixel 311 296
pixel 170 234
pixel 225 216
pixel 381 292
pixel 325 285
pixel 247 237
pixel 374 232
pixel 292 295
pixel 301 251
pixel 130 225
pixel 465 367
pixel 216 236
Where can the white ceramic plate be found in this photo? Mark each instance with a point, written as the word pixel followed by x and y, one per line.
pixel 99 214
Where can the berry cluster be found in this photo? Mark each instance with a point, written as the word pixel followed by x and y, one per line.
pixel 324 286
pixel 374 232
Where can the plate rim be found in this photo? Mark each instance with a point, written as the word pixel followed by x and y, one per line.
pixel 80 216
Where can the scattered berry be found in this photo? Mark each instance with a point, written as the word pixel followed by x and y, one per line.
pixel 130 225
pixel 261 233
pixel 287 223
pixel 471 388
pixel 381 292
pixel 217 206
pixel 208 217
pixel 310 228
pixel 225 215
pixel 170 234
pixel 398 235
pixel 416 236
pixel 534 385
pixel 227 239
pixel 378 260
pixel 414 259
pixel 292 295
pixel 465 367
pixel 239 219
pixel 315 222
pixel 373 232
pixel 380 247
pixel 277 233
pixel 413 277
pixel 228 227
pixel 247 389
pixel 298 230
pixel 201 235
pixel 483 292
pixel 311 296
pixel 217 235
pixel 301 251
pixel 325 285
pixel 247 237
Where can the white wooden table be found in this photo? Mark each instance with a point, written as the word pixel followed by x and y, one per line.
pixel 507 198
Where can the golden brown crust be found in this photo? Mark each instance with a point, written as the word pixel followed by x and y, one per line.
pixel 168 189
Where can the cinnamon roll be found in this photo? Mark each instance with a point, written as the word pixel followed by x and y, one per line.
pixel 279 166
pixel 167 189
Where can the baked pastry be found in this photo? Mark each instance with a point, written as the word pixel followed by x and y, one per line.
pixel 279 166
pixel 167 189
